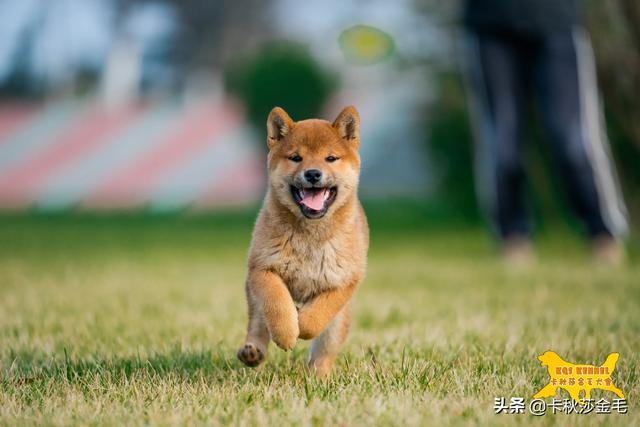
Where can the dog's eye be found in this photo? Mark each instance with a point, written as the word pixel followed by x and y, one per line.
pixel 295 158
pixel 331 159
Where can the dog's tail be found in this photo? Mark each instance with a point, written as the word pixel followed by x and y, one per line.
pixel 611 361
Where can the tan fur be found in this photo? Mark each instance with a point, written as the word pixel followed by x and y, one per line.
pixel 303 272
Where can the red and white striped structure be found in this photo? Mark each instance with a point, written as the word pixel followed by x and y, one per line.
pixel 161 156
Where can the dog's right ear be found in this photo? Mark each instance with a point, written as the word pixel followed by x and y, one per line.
pixel 278 126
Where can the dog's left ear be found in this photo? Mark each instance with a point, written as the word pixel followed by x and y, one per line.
pixel 348 125
pixel 279 124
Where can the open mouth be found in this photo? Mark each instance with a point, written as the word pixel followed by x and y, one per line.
pixel 314 201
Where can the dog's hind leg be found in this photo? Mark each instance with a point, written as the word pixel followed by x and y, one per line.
pixel 324 349
pixel 254 350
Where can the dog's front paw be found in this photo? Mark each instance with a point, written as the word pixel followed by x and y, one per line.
pixel 285 336
pixel 251 355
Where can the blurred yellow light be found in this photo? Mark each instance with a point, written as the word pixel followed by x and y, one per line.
pixel 365 45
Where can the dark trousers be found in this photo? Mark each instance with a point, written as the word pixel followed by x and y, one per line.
pixel 506 72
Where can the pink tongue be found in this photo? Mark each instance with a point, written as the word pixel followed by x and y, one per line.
pixel 313 200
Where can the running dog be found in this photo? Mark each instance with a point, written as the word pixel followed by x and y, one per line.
pixel 309 248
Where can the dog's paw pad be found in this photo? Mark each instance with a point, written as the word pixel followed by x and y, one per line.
pixel 250 355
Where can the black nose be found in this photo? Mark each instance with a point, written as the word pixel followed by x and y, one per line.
pixel 312 175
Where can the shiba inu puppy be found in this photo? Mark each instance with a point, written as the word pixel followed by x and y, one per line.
pixel 309 248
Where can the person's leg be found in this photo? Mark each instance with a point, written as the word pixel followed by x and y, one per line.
pixel 566 82
pixel 496 89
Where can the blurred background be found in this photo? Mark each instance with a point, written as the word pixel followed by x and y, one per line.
pixel 132 167
pixel 159 106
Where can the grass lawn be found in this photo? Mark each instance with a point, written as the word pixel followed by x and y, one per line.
pixel 136 320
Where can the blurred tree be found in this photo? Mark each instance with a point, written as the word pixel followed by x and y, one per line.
pixel 280 74
pixel 210 32
pixel 215 30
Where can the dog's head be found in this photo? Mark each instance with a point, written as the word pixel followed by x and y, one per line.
pixel 550 358
pixel 313 164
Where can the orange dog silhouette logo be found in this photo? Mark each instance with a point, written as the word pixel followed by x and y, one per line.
pixel 576 378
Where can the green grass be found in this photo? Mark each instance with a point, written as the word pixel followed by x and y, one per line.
pixel 136 320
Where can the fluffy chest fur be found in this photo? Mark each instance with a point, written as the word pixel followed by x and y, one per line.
pixel 309 267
